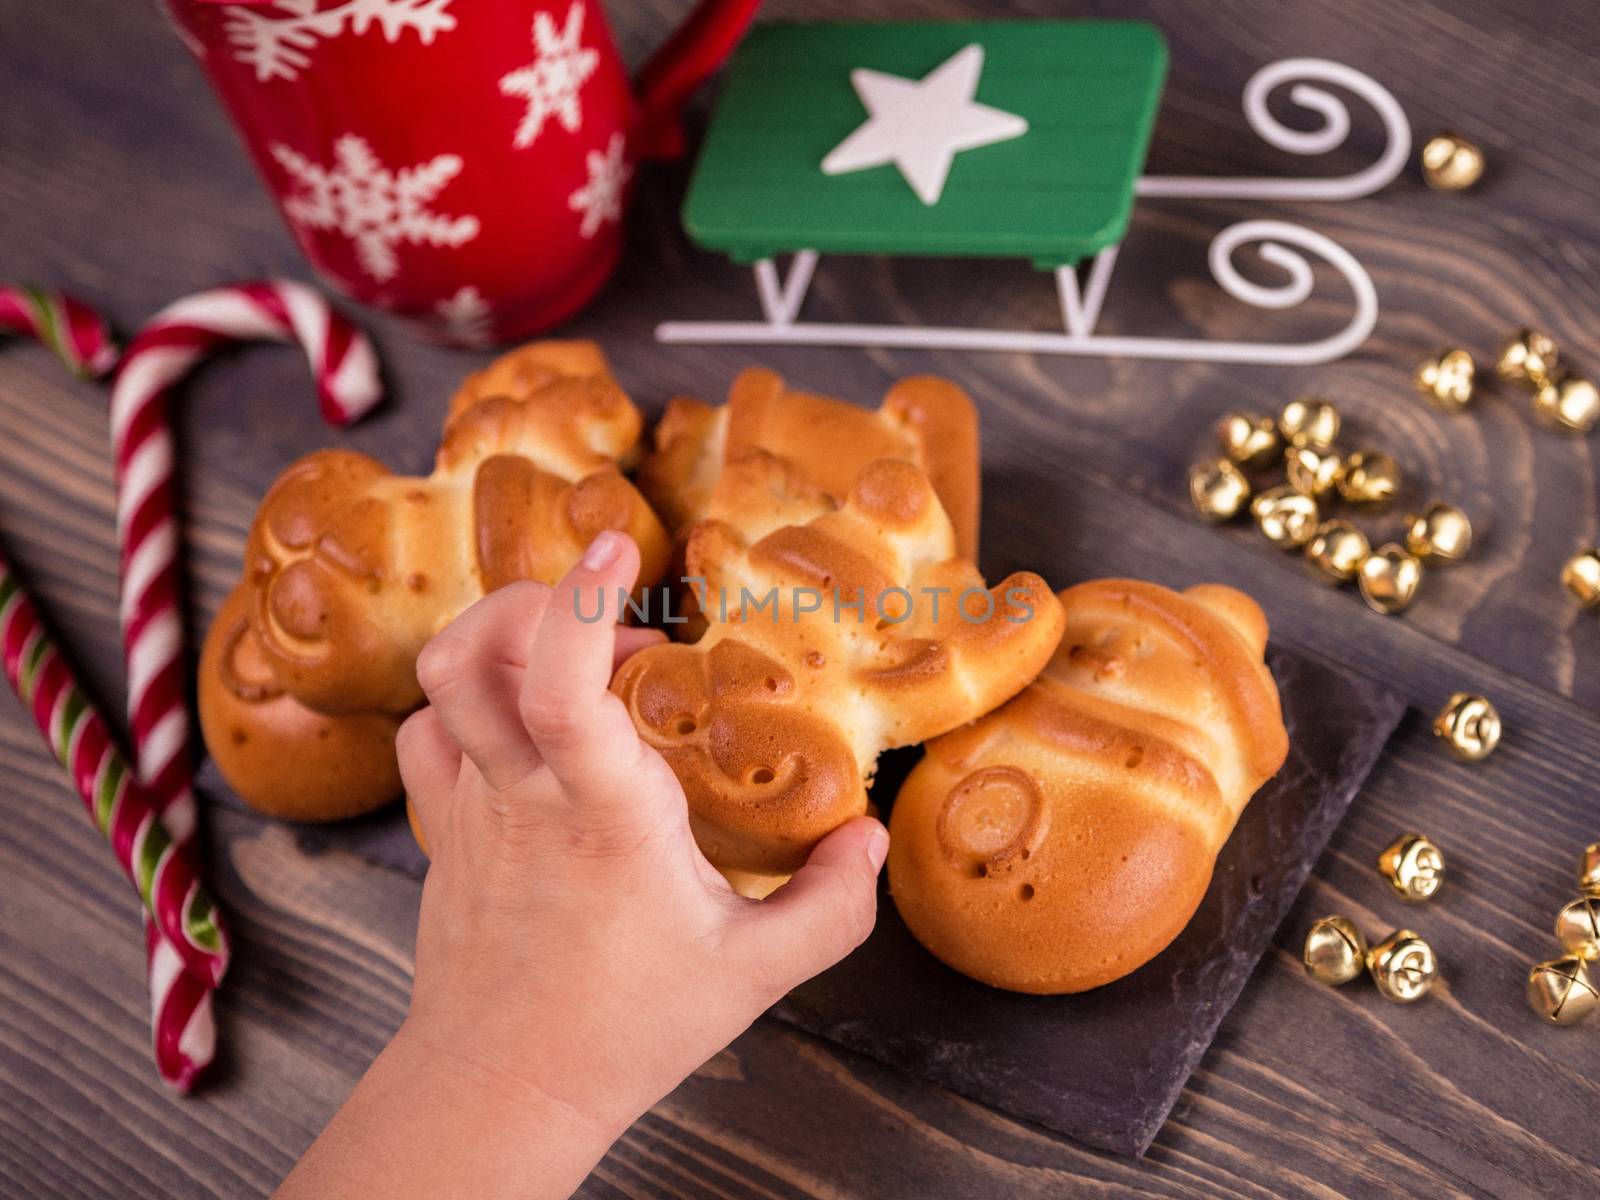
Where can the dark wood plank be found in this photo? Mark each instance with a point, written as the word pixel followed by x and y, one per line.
pixel 123 181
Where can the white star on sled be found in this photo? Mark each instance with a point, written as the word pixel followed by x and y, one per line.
pixel 600 199
pixel 921 125
pixel 552 81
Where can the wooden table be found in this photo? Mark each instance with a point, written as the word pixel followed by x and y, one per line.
pixel 121 180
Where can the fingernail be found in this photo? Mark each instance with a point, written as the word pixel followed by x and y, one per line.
pixel 877 848
pixel 602 552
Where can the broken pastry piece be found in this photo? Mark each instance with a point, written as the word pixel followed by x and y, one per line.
pixel 924 420
pixel 1064 840
pixel 836 631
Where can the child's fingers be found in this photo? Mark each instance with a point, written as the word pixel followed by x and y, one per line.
pixel 580 729
pixel 825 911
pixel 472 671
pixel 429 764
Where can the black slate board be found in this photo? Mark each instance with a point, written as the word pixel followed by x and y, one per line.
pixel 1106 1066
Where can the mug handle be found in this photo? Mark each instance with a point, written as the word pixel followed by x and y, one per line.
pixel 665 83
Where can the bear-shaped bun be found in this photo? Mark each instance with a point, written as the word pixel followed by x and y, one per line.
pixel 827 644
pixel 1065 839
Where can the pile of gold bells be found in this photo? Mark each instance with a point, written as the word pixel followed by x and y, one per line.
pixel 1303 438
pixel 1563 991
pixel 1530 359
pixel 1403 965
pixel 1316 474
pixel 1560 400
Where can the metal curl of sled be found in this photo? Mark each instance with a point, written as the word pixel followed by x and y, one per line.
pixel 1280 245
pixel 1332 135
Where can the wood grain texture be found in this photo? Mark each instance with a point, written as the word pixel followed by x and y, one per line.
pixel 121 180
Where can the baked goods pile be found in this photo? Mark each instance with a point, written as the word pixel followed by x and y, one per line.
pixel 1060 830
pixel 349 569
pixel 774 719
pixel 822 538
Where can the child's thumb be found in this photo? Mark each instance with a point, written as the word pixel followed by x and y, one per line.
pixel 825 911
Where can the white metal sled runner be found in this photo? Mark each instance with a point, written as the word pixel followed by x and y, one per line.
pixel 841 139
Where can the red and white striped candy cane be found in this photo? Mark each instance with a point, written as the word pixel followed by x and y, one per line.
pixel 124 811
pixel 174 341
pixel 183 1031
pixel 55 320
pixel 167 348
pixel 195 954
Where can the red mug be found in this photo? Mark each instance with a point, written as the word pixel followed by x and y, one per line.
pixel 464 164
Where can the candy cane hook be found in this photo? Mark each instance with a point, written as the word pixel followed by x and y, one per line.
pixel 70 328
pixel 346 373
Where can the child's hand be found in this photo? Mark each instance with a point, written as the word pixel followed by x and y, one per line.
pixel 576 955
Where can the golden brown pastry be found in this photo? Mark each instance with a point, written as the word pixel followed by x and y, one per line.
pixel 926 420
pixel 774 720
pixel 350 569
pixel 353 568
pixel 521 372
pixel 1064 840
pixel 280 756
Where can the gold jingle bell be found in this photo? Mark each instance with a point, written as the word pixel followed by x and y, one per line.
pixel 1337 550
pixel 1450 163
pixel 1439 533
pixel 1403 966
pixel 1369 477
pixel 1571 405
pixel 1219 489
pixel 1309 422
pixel 1562 992
pixel 1248 439
pixel 1413 866
pixel 1589 870
pixel 1578 928
pixel 1469 725
pixel 1529 357
pixel 1335 951
pixel 1285 517
pixel 1580 575
pixel 1447 379
pixel 1389 578
pixel 1312 471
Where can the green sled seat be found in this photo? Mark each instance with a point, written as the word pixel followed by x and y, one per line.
pixel 994 139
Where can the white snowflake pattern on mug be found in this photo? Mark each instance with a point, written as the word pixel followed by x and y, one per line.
pixel 551 82
pixel 466 316
pixel 600 199
pixel 377 207
pixel 276 39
